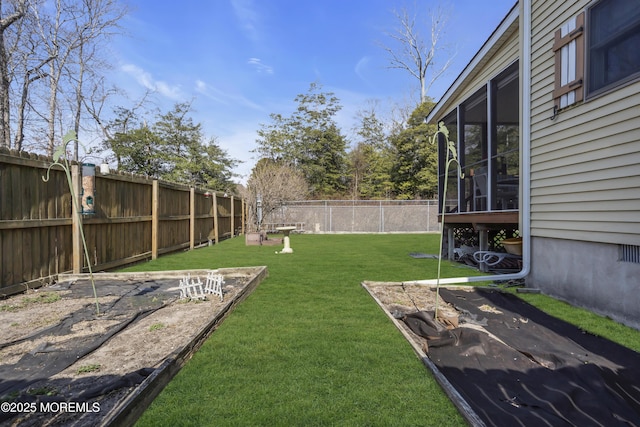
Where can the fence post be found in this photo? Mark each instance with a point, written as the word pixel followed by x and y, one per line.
pixel 76 241
pixel 192 217
pixel 325 216
pixel 330 218
pixel 216 235
pixel 353 215
pixel 154 219
pixel 233 218
pixel 244 215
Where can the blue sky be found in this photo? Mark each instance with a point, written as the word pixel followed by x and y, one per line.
pixel 240 60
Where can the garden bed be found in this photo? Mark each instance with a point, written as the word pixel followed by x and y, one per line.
pixel 61 363
pixel 504 362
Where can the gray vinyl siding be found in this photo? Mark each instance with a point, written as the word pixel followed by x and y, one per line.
pixel 507 54
pixel 585 164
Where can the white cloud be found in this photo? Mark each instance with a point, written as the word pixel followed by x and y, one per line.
pixel 211 92
pixel 245 11
pixel 145 79
pixel 259 66
pixel 361 66
pixel 226 98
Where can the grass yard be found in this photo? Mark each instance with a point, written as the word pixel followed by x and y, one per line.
pixel 310 347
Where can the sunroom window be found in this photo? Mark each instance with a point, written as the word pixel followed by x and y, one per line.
pixel 505 150
pixel 451 202
pixel 474 155
pixel 614 37
pixel 486 127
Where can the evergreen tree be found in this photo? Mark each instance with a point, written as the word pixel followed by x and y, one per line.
pixel 415 172
pixel 173 149
pixel 310 141
pixel 138 151
pixel 370 161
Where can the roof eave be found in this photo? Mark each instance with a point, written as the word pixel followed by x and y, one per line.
pixel 477 61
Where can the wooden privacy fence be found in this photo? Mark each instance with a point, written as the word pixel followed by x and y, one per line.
pixel 135 218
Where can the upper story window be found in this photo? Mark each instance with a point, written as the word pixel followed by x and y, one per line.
pixel 613 44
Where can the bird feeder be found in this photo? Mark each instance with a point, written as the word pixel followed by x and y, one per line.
pixel 88 188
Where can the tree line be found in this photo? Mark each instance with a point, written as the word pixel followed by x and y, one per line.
pixel 381 161
pixel 53 68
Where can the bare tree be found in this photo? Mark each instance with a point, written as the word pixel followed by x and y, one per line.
pixel 95 22
pixel 414 54
pixel 25 67
pixel 399 114
pixel 52 60
pixel 270 185
pixel 29 67
pixel 18 10
pixel 55 40
pixel 72 32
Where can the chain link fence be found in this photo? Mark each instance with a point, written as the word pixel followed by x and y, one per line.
pixel 357 216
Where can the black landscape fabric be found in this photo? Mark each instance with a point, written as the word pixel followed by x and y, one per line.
pixel 135 301
pixel 517 366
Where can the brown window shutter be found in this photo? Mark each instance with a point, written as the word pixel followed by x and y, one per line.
pixel 576 84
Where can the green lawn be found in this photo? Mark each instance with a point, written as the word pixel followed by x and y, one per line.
pixel 310 347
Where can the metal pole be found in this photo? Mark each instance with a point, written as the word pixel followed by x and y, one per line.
pixel 330 218
pixel 353 214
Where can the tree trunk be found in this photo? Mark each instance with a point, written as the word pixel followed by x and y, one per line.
pixel 5 139
pixel 53 96
pixel 24 99
pixel 76 124
pixel 5 80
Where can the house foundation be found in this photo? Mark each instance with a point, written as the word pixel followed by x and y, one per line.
pixel 587 274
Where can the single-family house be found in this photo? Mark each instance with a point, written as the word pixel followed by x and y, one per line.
pixel 546 122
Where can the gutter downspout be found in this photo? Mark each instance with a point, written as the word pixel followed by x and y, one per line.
pixel 525 113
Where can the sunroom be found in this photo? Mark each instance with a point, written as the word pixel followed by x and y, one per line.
pixel 486 128
pixel 481 203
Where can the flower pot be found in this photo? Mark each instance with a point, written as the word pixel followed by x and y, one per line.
pixel 513 246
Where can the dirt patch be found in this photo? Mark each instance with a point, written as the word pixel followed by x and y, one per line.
pixel 61 363
pixel 400 298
